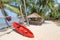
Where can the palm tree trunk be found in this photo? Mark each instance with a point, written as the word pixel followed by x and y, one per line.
pixel 4 16
pixel 22 14
pixel 3 12
pixel 26 12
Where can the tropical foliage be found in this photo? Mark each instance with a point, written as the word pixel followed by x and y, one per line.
pixel 45 8
pixel 4 4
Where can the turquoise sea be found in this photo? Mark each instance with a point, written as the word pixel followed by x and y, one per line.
pixel 3 24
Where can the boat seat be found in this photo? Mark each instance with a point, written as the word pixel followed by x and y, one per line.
pixel 18 26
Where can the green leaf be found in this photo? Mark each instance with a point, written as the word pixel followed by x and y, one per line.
pixel 6 0
pixel 16 10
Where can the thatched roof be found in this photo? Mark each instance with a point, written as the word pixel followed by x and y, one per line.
pixel 34 15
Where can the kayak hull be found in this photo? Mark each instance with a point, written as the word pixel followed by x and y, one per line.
pixel 22 30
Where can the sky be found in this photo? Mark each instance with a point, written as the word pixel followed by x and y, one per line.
pixel 0 13
pixel 58 1
pixel 10 13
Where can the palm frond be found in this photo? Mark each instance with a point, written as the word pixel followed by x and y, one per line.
pixel 16 10
pixel 7 0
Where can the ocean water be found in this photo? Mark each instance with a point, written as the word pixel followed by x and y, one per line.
pixel 3 23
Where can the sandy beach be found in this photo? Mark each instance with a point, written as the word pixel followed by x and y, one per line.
pixel 47 31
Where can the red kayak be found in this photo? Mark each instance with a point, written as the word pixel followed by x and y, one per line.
pixel 22 30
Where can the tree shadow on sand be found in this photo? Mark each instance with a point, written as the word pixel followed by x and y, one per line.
pixel 4 31
pixel 16 31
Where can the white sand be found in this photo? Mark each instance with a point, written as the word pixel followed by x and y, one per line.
pixel 47 31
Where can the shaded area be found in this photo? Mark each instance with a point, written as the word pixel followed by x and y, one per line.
pixel 6 32
pixel 57 22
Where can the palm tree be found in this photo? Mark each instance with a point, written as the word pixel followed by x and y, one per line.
pixel 3 4
pixel 26 11
pixel 3 12
pixel 23 4
pixel 19 13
